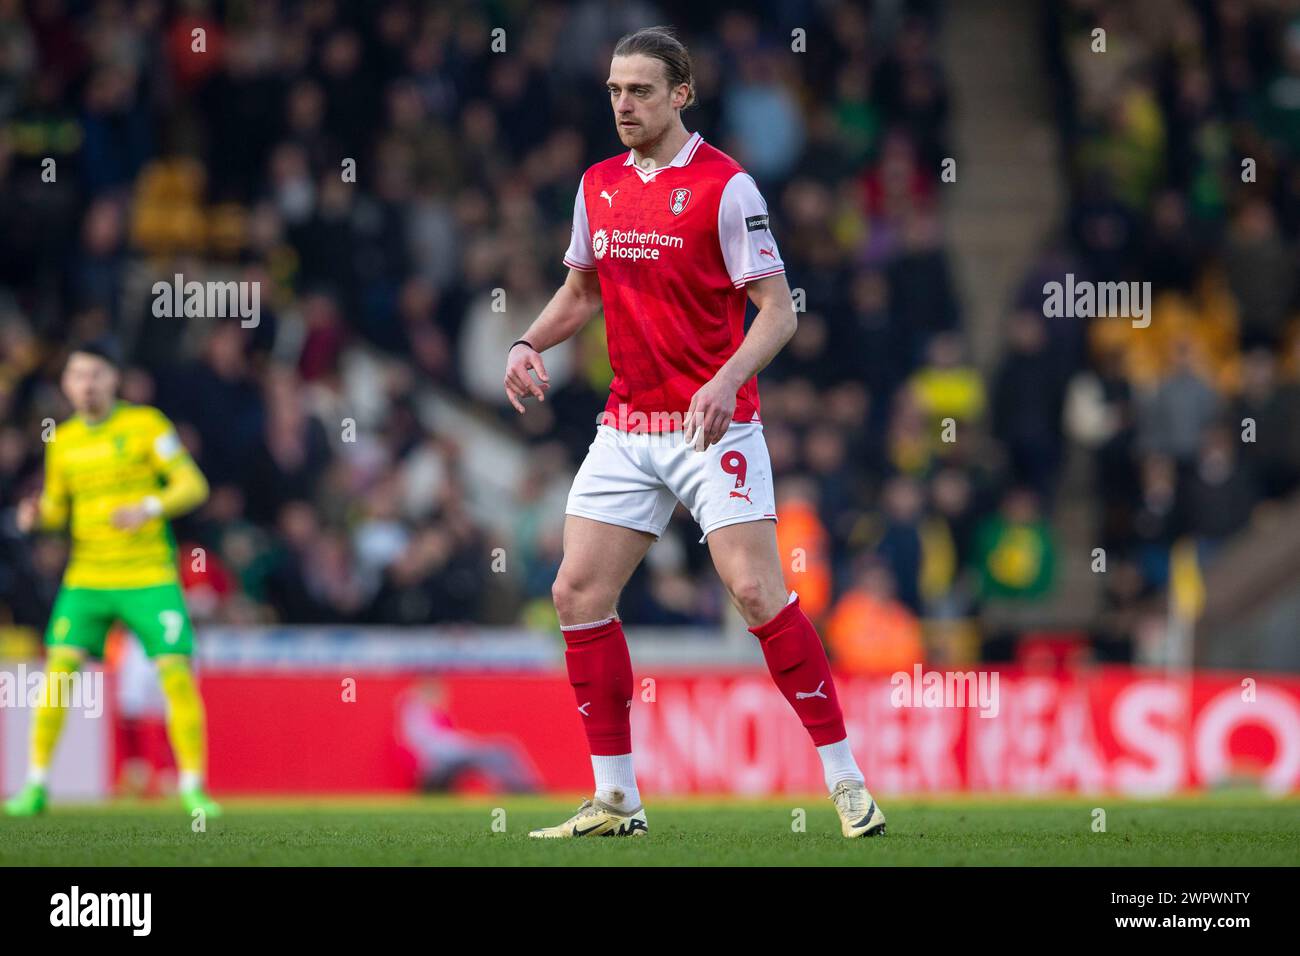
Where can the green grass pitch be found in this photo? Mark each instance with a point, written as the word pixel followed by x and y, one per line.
pixel 1214 830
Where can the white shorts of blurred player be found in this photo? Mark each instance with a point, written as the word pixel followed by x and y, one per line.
pixel 635 480
pixel 139 696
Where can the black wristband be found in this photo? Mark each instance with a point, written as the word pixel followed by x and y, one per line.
pixel 519 342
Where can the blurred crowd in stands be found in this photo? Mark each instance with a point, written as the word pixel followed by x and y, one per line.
pixel 1184 165
pixel 337 497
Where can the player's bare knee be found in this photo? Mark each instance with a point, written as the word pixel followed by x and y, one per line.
pixel 578 602
pixel 564 595
pixel 757 600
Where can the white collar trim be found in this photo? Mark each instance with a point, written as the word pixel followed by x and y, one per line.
pixel 683 157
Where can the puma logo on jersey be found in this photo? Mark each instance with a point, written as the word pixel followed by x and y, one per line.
pixel 801 695
pixel 740 494
pixel 767 252
pixel 609 197
pixel 582 709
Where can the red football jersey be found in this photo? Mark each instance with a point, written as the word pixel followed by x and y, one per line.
pixel 673 249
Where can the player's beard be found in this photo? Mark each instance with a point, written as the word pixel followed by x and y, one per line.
pixel 641 137
pixel 630 137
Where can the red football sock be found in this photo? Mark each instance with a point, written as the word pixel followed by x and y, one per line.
pixel 600 671
pixel 797 660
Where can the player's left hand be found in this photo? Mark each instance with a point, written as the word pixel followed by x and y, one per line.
pixel 129 517
pixel 709 414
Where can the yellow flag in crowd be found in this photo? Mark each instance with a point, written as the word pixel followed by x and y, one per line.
pixel 1186 586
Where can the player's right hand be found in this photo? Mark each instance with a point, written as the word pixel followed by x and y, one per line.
pixel 29 509
pixel 519 382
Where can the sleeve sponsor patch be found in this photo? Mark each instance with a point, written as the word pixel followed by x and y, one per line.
pixel 166 445
pixel 755 223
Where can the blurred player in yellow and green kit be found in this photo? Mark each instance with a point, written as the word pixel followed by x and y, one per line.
pixel 115 473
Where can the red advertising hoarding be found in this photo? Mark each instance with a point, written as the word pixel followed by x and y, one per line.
pixel 729 732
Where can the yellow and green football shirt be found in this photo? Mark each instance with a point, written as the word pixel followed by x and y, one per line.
pixel 92 469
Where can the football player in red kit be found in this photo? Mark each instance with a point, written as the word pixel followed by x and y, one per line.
pixel 672 238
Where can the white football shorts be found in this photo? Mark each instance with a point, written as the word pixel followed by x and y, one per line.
pixel 635 480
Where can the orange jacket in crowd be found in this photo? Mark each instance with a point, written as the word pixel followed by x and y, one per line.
pixel 870 636
pixel 807 571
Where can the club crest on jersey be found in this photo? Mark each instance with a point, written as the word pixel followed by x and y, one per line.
pixel 677 202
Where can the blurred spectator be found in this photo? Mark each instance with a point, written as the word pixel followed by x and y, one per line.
pixel 947 387
pixel 1270 411
pixel 1028 396
pixel 804 545
pixel 1261 270
pixel 1015 550
pixel 869 631
pixel 1157 521
pixel 219 397
pixel 1172 416
pixel 294 451
pixel 1221 491
pixel 901 544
